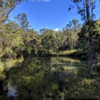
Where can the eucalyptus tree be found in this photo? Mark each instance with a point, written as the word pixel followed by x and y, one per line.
pixel 12 36
pixel 10 41
pixel 60 40
pixel 70 33
pixel 43 30
pixel 7 28
pixel 48 39
pixel 75 22
pixel 22 21
pixel 6 7
pixel 84 10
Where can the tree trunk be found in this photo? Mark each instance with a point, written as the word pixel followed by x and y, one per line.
pixel 90 55
pixel 90 40
pixel 95 60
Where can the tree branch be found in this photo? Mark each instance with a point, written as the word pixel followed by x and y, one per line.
pixel 10 12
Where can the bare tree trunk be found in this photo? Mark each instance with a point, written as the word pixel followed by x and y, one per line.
pixel 90 40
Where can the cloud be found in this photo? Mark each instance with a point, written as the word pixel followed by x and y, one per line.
pixel 56 30
pixel 41 0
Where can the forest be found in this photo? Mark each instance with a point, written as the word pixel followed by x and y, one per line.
pixel 43 66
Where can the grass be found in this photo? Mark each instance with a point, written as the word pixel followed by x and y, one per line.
pixel 70 59
pixel 67 52
pixel 62 53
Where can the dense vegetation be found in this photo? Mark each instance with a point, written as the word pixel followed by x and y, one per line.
pixel 35 81
pixel 26 42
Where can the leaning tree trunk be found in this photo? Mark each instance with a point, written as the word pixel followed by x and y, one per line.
pixel 90 40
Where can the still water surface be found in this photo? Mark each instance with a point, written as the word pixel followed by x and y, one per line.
pixel 19 75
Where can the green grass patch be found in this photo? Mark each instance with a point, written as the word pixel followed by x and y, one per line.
pixel 67 52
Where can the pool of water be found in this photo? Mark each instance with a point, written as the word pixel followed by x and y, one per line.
pixel 40 72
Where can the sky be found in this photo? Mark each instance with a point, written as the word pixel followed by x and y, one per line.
pixel 49 14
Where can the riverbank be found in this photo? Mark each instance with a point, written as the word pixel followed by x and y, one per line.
pixel 66 53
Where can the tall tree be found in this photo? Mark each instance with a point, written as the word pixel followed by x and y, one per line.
pixel 90 39
pixel 6 7
pixel 88 5
pixel 22 21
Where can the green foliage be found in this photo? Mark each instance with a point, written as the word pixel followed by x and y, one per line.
pixel 83 44
pixel 35 79
pixel 6 8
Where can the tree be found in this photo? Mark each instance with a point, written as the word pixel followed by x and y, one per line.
pixel 75 22
pixel 6 7
pixel 85 13
pixel 22 21
pixel 48 39
pixel 43 30
pixel 70 34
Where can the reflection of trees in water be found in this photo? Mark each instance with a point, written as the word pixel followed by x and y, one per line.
pixel 43 79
